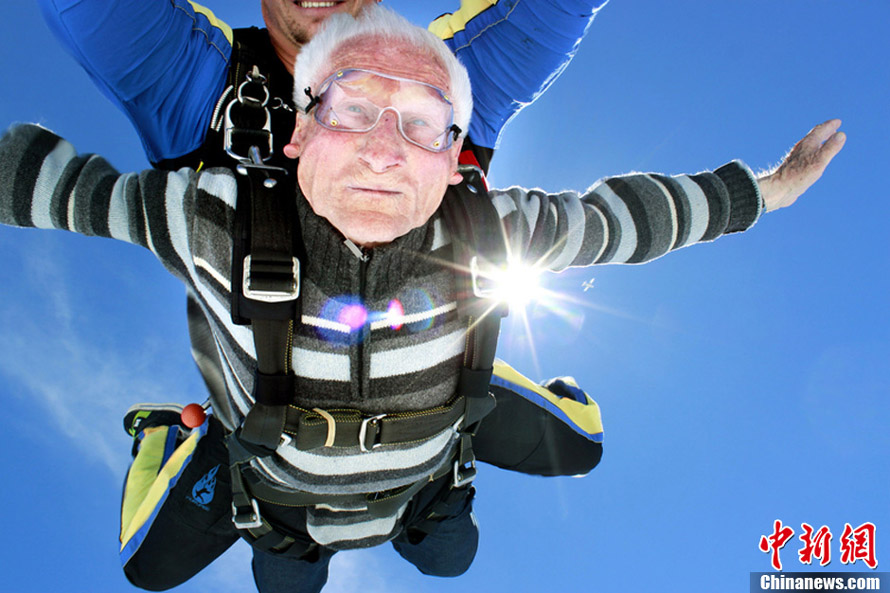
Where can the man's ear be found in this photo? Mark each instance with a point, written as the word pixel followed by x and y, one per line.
pixel 456 177
pixel 294 148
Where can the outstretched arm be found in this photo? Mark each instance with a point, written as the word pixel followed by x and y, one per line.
pixel 637 218
pixel 45 184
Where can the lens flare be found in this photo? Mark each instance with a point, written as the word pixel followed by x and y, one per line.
pixel 518 285
pixel 418 302
pixel 515 285
pixel 395 313
pixel 354 316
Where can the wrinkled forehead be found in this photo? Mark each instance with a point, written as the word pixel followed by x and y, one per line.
pixel 392 57
pixel 386 91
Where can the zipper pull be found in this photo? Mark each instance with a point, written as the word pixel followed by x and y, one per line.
pixel 356 250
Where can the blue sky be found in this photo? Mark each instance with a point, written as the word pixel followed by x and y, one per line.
pixel 740 382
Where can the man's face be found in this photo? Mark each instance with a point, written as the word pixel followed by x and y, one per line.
pixel 298 20
pixel 374 186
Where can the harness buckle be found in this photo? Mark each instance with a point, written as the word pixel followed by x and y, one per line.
pixel 363 432
pixel 269 295
pixel 480 282
pixel 484 286
pixel 230 131
pixel 249 519
pixel 463 475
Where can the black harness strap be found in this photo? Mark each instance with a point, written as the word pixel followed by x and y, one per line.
pixel 466 209
pixel 268 296
pixel 265 262
pixel 312 429
pixel 464 216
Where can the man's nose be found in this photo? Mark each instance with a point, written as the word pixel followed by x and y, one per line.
pixel 384 147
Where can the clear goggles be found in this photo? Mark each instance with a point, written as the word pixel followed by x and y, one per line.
pixel 353 100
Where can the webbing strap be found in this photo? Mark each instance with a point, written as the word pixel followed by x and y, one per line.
pixel 474 384
pixel 269 297
pixel 447 503
pixel 247 491
pixel 260 533
pixel 251 48
pixel 467 210
pixel 265 261
pixel 311 429
pixel 379 504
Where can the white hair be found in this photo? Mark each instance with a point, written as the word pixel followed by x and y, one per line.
pixel 313 62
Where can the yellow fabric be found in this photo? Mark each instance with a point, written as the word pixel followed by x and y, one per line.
pixel 221 25
pixel 146 485
pixel 585 415
pixel 142 473
pixel 448 24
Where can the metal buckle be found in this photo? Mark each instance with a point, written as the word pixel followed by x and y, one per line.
pixel 479 290
pixel 482 286
pixel 271 296
pixel 461 476
pixel 252 520
pixel 363 431
pixel 253 77
pixel 229 128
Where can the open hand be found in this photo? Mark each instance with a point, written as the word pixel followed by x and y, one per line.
pixel 802 166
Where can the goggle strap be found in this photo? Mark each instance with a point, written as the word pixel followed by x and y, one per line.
pixel 313 99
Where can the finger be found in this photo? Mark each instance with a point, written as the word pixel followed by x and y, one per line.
pixel 815 138
pixel 832 146
pixel 825 130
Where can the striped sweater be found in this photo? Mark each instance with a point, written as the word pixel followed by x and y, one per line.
pixel 352 348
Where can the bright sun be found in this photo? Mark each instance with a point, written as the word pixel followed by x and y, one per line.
pixel 516 284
